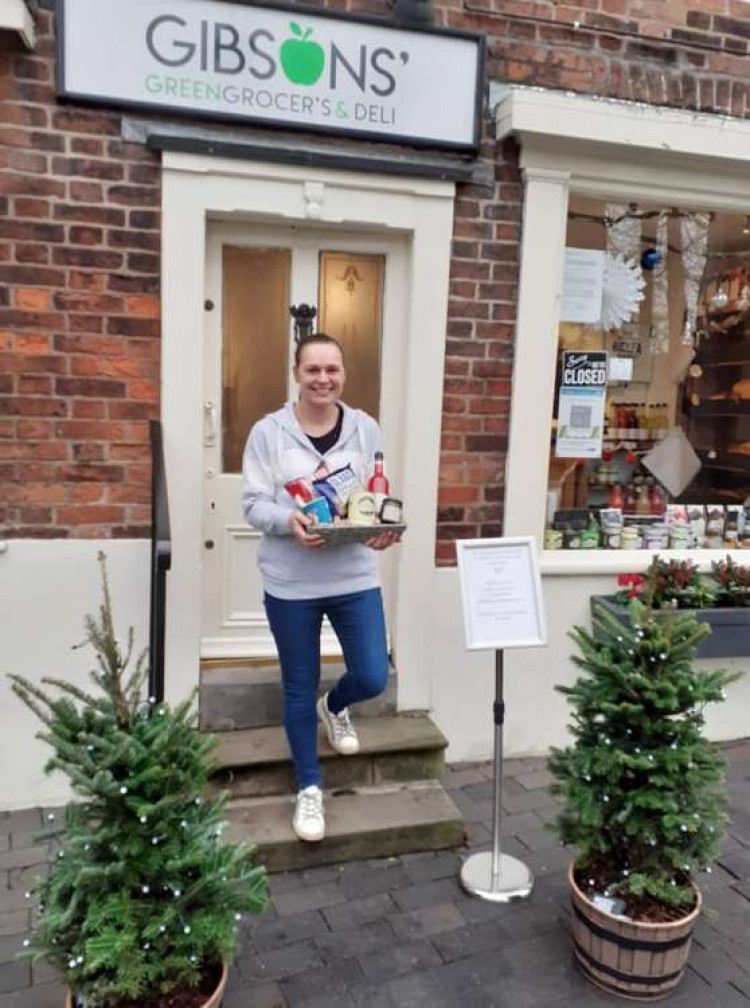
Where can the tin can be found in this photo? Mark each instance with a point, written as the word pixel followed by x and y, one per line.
pixel 553 539
pixel 572 539
pixel 680 537
pixel 656 537
pixel 631 538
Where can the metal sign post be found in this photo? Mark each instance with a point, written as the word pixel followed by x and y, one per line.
pixel 502 606
pixel 492 875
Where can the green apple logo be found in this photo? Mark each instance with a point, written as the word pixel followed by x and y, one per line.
pixel 302 61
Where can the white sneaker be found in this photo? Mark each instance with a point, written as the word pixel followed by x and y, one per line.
pixel 339 729
pixel 308 822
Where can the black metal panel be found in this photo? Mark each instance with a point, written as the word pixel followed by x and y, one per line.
pixel 161 561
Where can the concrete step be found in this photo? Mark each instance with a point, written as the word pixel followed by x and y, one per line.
pixel 243 695
pixel 365 822
pixel 393 749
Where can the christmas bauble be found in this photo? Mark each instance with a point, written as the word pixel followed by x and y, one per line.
pixel 651 258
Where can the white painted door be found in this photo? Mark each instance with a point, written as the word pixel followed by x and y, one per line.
pixel 254 275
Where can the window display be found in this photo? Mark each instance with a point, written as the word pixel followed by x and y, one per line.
pixel 650 440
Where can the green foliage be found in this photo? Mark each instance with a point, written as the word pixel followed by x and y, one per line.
pixel 642 787
pixel 142 895
pixel 677 582
pixel 732 582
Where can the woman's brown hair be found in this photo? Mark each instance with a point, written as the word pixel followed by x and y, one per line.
pixel 318 337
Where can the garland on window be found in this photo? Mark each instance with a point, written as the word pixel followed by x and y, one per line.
pixel 694 234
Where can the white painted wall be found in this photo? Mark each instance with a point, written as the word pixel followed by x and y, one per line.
pixel 46 590
pixel 536 715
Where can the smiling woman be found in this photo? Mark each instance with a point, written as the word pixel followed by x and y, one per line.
pixel 305 580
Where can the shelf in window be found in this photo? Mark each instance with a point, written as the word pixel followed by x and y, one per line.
pixel 721 407
pixel 731 308
pixel 716 352
pixel 727 461
pixel 740 362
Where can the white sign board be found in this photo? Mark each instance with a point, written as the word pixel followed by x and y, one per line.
pixel 581 404
pixel 501 592
pixel 583 283
pixel 285 67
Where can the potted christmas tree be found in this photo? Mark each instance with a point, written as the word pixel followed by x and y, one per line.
pixel 643 797
pixel 142 902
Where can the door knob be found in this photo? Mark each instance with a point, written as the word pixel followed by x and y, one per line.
pixel 209 544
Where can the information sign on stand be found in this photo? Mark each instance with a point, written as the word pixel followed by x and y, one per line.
pixel 501 592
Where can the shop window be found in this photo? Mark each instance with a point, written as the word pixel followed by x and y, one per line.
pixel 256 342
pixel 351 309
pixel 650 441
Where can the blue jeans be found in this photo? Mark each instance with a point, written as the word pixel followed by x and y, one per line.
pixel 359 623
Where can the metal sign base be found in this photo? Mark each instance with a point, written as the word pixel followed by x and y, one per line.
pixel 491 875
pixel 514 880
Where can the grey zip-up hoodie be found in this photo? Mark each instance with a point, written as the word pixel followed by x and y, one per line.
pixel 277 451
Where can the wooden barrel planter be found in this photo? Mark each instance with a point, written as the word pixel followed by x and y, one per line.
pixel 635 960
pixel 214 1001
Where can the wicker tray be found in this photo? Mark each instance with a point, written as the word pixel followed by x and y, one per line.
pixel 336 535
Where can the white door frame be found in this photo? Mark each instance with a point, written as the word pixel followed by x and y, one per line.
pixel 197 189
pixel 241 633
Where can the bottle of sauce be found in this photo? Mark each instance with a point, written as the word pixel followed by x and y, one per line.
pixel 628 504
pixel 378 484
pixel 642 502
pixel 658 500
pixel 616 498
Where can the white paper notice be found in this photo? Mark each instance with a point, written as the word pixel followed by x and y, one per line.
pixel 501 600
pixel 583 282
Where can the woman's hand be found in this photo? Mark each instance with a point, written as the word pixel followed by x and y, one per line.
pixel 299 524
pixel 384 540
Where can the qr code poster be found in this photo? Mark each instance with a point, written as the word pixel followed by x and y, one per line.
pixel 580 406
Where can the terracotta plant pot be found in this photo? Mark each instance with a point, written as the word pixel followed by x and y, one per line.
pixel 213 1002
pixel 633 959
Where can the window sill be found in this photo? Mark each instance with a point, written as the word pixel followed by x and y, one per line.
pixel 563 563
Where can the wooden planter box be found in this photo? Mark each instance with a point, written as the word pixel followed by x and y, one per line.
pixel 632 959
pixel 730 628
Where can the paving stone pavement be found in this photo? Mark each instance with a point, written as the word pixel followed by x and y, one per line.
pixel 400 933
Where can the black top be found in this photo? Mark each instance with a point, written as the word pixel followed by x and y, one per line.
pixel 326 441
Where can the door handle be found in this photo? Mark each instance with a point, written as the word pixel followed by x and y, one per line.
pixel 209 427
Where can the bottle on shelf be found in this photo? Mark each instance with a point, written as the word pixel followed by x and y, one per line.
pixel 642 502
pixel 378 484
pixel 658 500
pixel 616 498
pixel 628 501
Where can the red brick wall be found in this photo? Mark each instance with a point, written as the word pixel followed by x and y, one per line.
pixel 79 310
pixel 79 271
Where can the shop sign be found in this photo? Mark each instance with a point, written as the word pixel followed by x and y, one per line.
pixel 580 407
pixel 283 67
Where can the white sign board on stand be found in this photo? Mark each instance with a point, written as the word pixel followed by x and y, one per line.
pixel 501 592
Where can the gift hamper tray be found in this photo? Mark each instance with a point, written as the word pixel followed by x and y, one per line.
pixel 336 535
